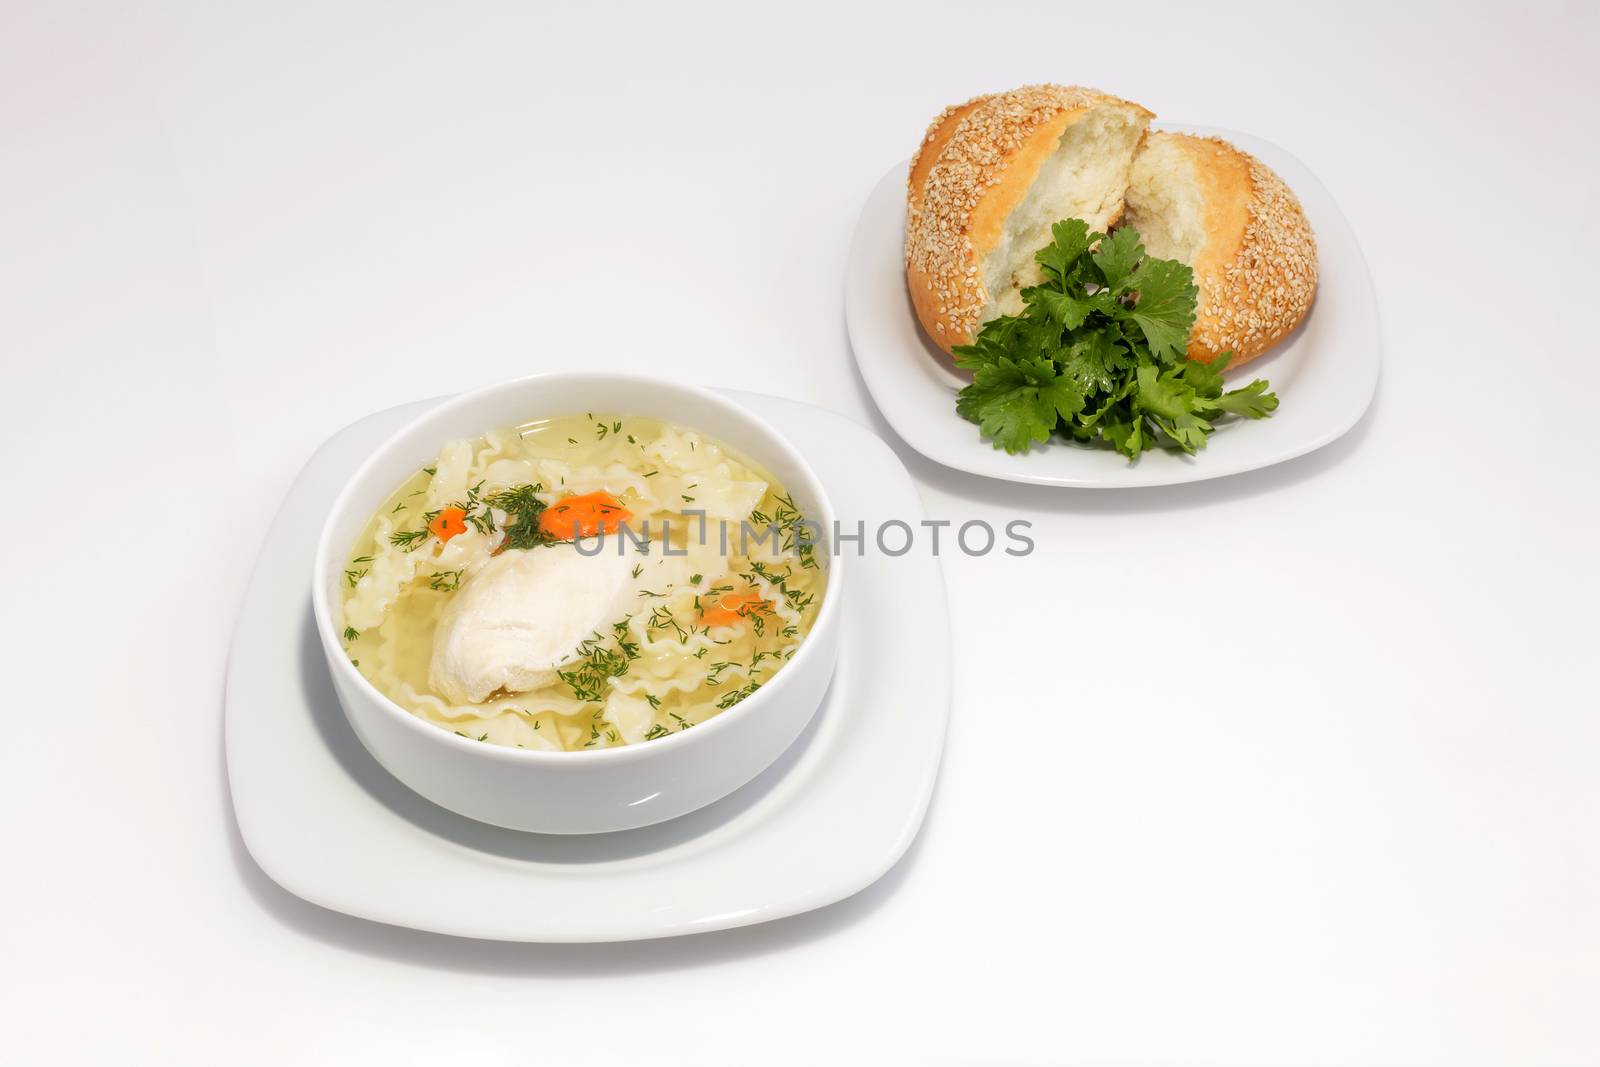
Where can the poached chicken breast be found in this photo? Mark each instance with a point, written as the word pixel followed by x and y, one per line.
pixel 525 612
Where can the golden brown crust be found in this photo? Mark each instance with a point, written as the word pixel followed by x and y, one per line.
pixel 1257 273
pixel 933 142
pixel 974 166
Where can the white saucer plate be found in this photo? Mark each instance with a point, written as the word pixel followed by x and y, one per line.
pixel 1325 372
pixel 835 813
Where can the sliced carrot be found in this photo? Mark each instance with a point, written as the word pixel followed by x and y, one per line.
pixel 448 523
pixel 583 516
pixel 729 608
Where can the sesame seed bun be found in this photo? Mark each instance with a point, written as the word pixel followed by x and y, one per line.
pixel 989 179
pixel 1234 221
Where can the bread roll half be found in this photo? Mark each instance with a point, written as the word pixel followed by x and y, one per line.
pixel 990 178
pixel 1226 214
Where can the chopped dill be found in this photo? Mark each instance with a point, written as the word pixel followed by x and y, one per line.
pixel 591 675
pixel 408 539
pixel 663 619
pixel 523 509
pixel 445 581
pixel 729 699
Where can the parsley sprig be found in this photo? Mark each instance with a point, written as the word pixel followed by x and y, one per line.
pixel 1099 356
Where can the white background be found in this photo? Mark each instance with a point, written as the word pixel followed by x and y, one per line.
pixel 1295 767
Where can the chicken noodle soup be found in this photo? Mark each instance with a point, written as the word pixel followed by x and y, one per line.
pixel 580 582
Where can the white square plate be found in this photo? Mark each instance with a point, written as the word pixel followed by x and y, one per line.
pixel 1324 373
pixel 326 822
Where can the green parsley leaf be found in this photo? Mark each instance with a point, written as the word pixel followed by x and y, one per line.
pixel 1164 311
pixel 1117 256
pixel 1188 431
pixel 1126 435
pixel 1098 361
pixel 1071 240
pixel 1205 378
pixel 1017 404
pixel 1162 394
pixel 1253 401
pixel 1066 311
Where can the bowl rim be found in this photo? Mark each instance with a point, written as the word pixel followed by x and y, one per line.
pixel 340 663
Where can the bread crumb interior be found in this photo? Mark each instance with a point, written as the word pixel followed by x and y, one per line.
pixel 1085 178
pixel 1164 202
